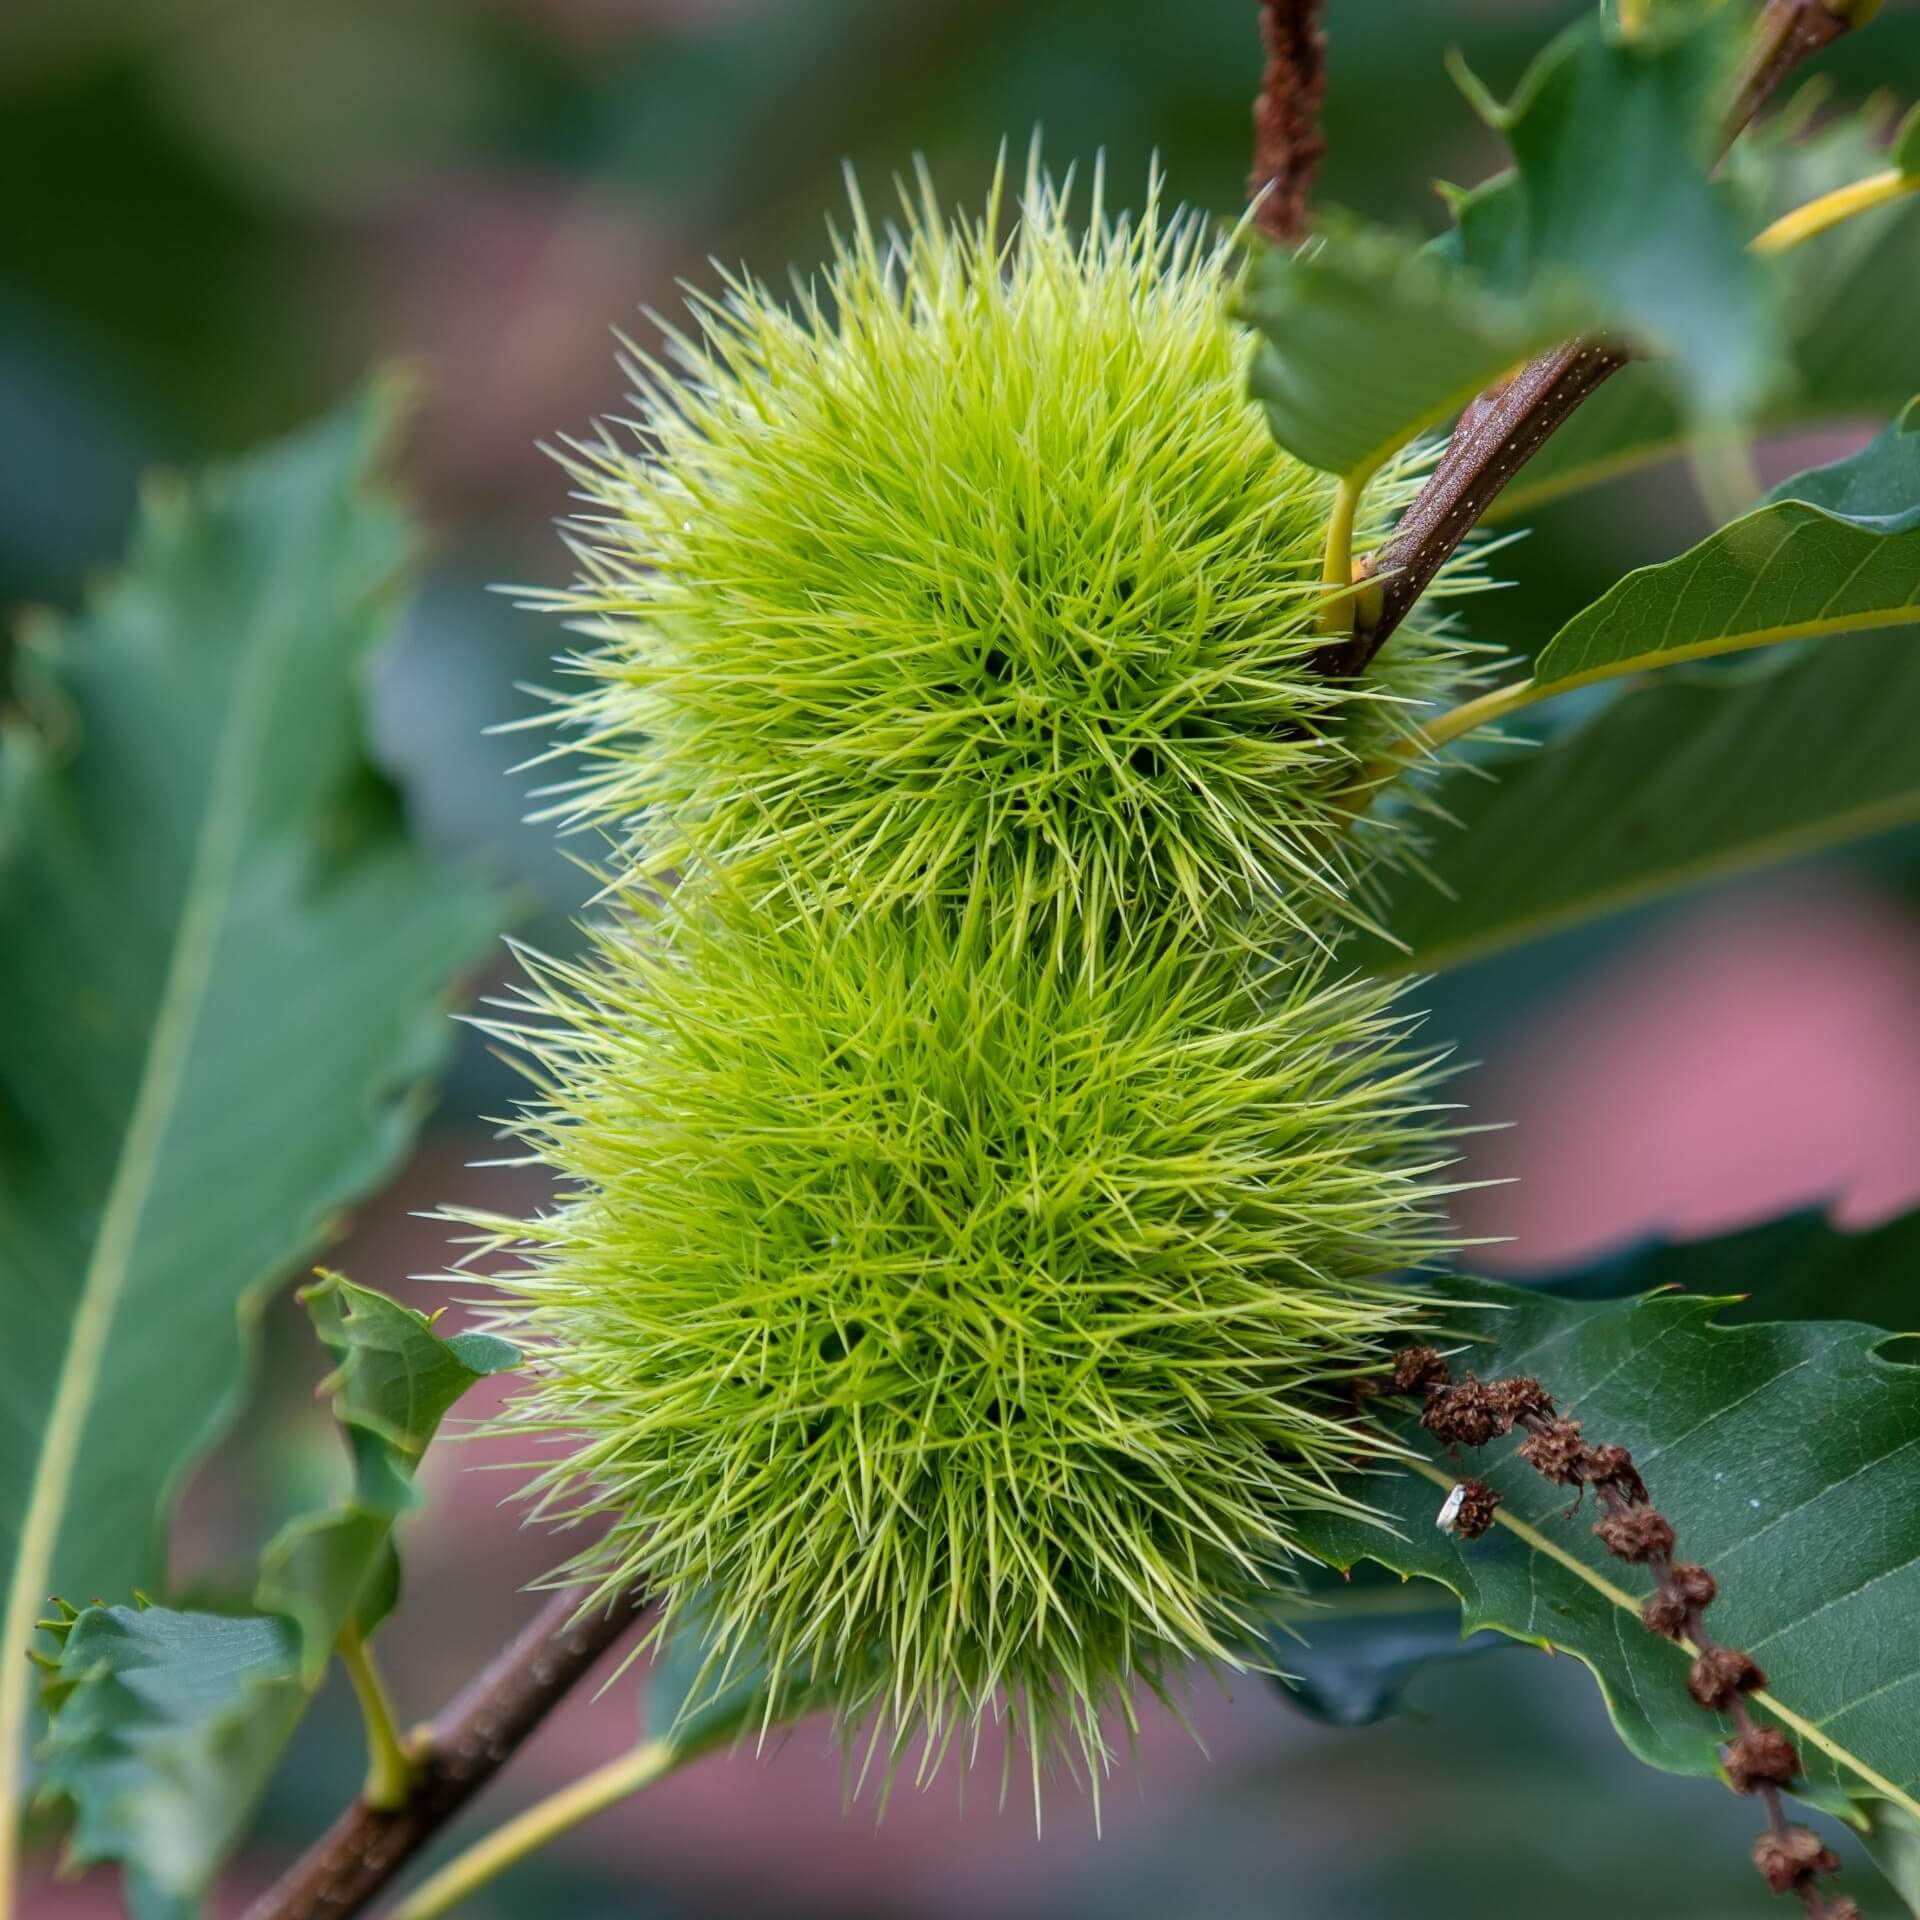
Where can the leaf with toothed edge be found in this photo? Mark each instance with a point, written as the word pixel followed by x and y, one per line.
pixel 1800 1265
pixel 165 1726
pixel 393 1383
pixel 1848 301
pixel 225 969
pixel 165 1730
pixel 1369 342
pixel 1609 222
pixel 1612 197
pixel 1689 776
pixel 1787 1456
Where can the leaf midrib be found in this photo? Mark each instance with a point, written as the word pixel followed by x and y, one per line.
pixel 1736 640
pixel 1806 1729
pixel 209 888
pixel 1762 850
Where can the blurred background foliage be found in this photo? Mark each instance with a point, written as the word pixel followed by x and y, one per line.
pixel 219 212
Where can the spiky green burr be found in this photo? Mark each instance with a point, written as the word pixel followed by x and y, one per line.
pixel 974 564
pixel 948 1320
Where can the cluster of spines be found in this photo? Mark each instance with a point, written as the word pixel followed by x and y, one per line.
pixel 1020 594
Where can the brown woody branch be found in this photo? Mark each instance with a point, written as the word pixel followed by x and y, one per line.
pixel 1789 31
pixel 470 1742
pixel 1759 1760
pixel 1507 425
pixel 1497 435
pixel 1287 141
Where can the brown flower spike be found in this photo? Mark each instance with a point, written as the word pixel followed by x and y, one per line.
pixel 1759 1760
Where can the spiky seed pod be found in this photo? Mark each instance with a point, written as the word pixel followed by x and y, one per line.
pixel 978 545
pixel 952 1322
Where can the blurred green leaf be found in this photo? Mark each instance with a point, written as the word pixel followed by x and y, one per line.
pixel 1893 1838
pixel 1684 777
pixel 1905 157
pixel 1849 300
pixel 1612 194
pixel 1609 220
pixel 1834 550
pixel 165 1726
pixel 1798 1267
pixel 394 1381
pixel 693 1706
pixel 1783 1453
pixel 1368 341
pixel 1347 1660
pixel 165 1729
pixel 224 970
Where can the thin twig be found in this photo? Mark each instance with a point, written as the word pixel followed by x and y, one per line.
pixel 1789 31
pixel 1287 141
pixel 470 1742
pixel 1498 434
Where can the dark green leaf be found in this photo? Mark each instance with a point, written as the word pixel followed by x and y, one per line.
pixel 167 1727
pixel 1850 298
pixel 1609 220
pixel 1687 776
pixel 1799 1267
pixel 1348 1660
pixel 1368 342
pixel 1787 1456
pixel 1613 145
pixel 1831 551
pixel 1906 144
pixel 223 969
pixel 1364 1643
pixel 1893 1838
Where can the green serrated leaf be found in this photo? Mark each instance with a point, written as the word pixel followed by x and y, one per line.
pixel 394 1381
pixel 167 1729
pixel 1613 144
pixel 1831 551
pixel 1798 1267
pixel 223 966
pixel 1786 1456
pixel 1849 296
pixel 1608 221
pixel 165 1726
pixel 1685 777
